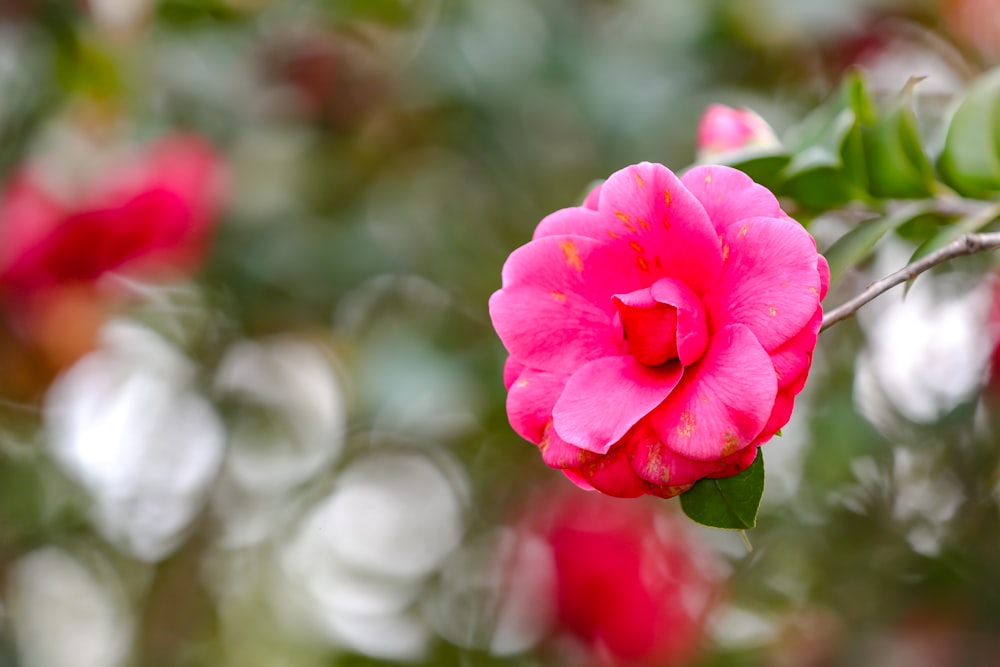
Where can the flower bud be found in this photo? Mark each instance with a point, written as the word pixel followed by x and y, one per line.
pixel 724 129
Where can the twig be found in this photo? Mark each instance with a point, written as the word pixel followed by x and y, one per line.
pixel 964 245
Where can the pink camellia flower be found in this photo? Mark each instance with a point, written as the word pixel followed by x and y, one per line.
pixel 151 215
pixel 658 334
pixel 723 129
pixel 632 585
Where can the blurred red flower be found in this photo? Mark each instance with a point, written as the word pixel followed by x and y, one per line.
pixel 148 216
pixel 634 585
pixel 151 216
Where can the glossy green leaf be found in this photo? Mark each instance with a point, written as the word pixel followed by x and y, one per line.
pixel 730 502
pixel 970 159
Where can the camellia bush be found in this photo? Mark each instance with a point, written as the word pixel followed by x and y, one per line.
pixel 460 333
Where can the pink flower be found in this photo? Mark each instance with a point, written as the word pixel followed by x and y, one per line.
pixel 632 585
pixel 658 334
pixel 723 129
pixel 153 215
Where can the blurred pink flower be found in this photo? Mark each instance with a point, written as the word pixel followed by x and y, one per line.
pixel 151 216
pixel 659 332
pixel 633 585
pixel 723 129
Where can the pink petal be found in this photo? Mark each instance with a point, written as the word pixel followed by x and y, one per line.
pixel 557 453
pixel 649 327
pixel 612 474
pixel 607 397
pixel 577 220
pixel 593 198
pixel 770 281
pixel 511 369
pixel 554 311
pixel 722 402
pixel 729 195
pixel 655 463
pixel 530 402
pixel 662 323
pixel 784 402
pixel 794 357
pixel 737 463
pixel 574 476
pixel 692 331
pixel 647 207
pixel 824 276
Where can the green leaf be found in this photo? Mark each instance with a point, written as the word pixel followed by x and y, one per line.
pixel 764 166
pixel 730 502
pixel 898 167
pixel 857 244
pixel 970 159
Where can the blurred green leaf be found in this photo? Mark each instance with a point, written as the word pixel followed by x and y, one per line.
pixel 763 166
pixel 730 502
pixel 897 164
pixel 857 244
pixel 970 159
pixel 967 225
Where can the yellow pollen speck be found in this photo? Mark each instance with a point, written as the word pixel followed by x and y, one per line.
pixel 642 223
pixel 708 177
pixel 558 296
pixel 813 290
pixel 730 443
pixel 635 246
pixel 572 255
pixel 687 425
pixel 622 216
pixel 613 235
pixel 725 251
pixel 666 222
pixel 772 311
pixel 643 264
pixel 704 399
pixel 666 197
pixel 521 383
pixel 743 231
pixel 638 179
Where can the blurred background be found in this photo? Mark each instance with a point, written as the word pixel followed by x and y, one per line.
pixel 251 409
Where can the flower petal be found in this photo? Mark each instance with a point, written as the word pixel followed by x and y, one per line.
pixel 612 474
pixel 607 397
pixel 794 357
pixel 554 311
pixel 530 402
pixel 512 368
pixel 692 333
pixel 656 464
pixel 722 402
pixel 557 453
pixel 649 208
pixel 578 220
pixel 824 276
pixel 728 195
pixel 770 281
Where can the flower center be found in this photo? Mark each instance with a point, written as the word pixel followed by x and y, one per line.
pixel 662 322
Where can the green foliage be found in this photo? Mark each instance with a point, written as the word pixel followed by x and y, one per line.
pixel 729 502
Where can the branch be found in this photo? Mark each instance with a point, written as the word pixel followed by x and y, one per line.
pixel 964 245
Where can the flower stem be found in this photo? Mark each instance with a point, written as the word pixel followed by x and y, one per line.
pixel 967 244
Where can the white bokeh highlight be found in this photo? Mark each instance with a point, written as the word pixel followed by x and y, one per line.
pixel 359 559
pixel 927 352
pixel 65 616
pixel 127 424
